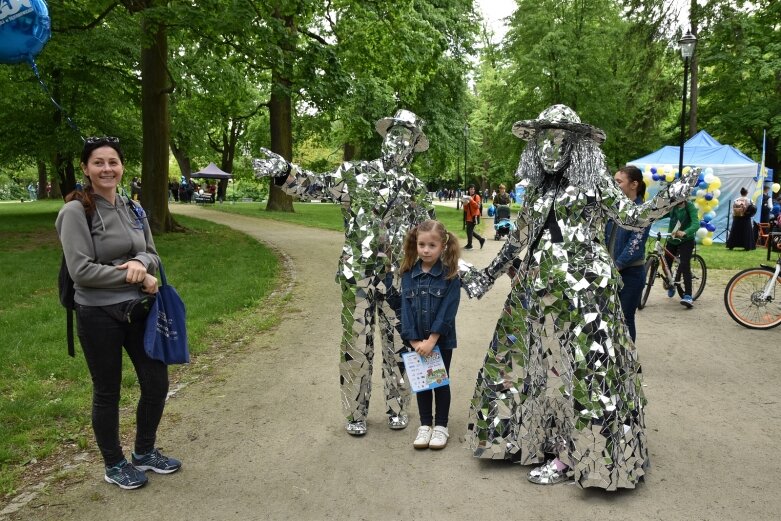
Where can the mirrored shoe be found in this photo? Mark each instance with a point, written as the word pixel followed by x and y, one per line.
pixel 548 474
pixel 398 422
pixel 357 428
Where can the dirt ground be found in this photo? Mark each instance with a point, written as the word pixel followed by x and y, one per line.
pixel 263 437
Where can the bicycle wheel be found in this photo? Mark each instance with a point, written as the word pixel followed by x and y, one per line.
pixel 744 302
pixel 699 276
pixel 651 267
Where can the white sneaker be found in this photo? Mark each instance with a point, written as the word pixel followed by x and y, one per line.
pixel 423 437
pixel 438 438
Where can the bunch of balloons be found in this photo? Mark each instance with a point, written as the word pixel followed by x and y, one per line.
pixel 25 27
pixel 706 195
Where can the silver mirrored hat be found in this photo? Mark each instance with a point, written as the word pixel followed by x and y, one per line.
pixel 409 120
pixel 557 116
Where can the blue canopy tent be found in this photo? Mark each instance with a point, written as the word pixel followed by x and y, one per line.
pixel 735 170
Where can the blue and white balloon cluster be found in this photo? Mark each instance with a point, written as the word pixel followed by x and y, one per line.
pixel 706 195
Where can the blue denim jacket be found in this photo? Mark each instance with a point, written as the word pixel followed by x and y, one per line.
pixel 429 304
pixel 628 247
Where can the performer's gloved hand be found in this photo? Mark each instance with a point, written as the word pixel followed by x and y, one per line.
pixel 475 282
pixel 273 165
pixel 681 188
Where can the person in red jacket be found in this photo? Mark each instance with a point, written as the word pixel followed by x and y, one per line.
pixel 471 213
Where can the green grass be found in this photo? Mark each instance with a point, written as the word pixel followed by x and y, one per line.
pixel 329 216
pixel 221 275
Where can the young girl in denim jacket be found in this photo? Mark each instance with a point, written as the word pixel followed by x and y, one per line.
pixel 431 291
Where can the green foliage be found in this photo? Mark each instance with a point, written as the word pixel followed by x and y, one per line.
pixel 739 51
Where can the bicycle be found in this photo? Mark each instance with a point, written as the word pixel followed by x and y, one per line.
pixel 750 297
pixel 669 274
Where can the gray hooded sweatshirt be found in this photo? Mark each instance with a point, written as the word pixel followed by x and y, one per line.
pixel 116 236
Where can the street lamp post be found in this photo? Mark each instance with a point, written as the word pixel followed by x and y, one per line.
pixel 687 43
pixel 466 137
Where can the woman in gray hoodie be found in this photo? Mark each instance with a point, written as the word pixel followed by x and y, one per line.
pixel 112 260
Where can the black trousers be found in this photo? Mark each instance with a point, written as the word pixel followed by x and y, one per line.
pixel 470 232
pixel 102 338
pixel 440 394
pixel 684 250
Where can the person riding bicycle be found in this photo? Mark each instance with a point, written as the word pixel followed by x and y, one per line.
pixel 684 223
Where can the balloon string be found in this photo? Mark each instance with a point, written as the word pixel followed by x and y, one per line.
pixel 46 90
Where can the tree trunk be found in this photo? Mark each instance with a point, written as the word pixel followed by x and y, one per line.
pixel 43 180
pixel 183 160
pixel 155 125
pixel 350 151
pixel 281 113
pixel 64 177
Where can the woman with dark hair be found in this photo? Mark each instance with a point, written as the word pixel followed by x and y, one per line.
pixel 627 247
pixel 741 233
pixel 111 258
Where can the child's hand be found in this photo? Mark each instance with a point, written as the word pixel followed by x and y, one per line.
pixel 424 348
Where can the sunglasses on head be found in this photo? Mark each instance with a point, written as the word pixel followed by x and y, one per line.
pixel 94 140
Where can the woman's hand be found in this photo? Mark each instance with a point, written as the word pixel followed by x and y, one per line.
pixel 149 285
pixel 136 271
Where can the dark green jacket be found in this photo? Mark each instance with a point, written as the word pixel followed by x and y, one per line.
pixel 690 223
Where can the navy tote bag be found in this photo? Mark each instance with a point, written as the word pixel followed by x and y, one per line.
pixel 165 337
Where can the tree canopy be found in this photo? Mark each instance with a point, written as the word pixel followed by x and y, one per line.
pixel 214 80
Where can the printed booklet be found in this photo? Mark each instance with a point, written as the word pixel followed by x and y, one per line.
pixel 425 372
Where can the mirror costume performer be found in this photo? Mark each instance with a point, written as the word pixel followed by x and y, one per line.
pixel 381 201
pixel 561 378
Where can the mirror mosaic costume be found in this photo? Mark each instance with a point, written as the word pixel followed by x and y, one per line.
pixel 561 378
pixel 381 200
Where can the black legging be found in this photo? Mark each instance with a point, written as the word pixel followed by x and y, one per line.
pixel 440 394
pixel 102 338
pixel 470 232
pixel 684 250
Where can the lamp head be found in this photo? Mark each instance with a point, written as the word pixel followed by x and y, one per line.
pixel 687 43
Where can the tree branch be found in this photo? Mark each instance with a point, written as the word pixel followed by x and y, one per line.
pixel 94 23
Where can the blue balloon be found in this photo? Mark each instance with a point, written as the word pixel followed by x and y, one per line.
pixel 709 196
pixel 25 27
pixel 702 184
pixel 707 217
pixel 703 224
pixel 710 227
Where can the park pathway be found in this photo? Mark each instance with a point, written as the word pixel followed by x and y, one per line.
pixel 262 436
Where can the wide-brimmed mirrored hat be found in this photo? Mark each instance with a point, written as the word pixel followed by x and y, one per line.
pixel 557 117
pixel 407 119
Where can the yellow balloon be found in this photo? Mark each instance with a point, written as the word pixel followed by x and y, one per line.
pixel 714 202
pixel 686 170
pixel 714 185
pixel 707 241
pixel 776 188
pixel 669 177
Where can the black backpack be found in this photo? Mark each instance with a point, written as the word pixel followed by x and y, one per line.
pixel 67 294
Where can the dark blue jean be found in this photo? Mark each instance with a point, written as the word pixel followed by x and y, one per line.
pixel 440 394
pixel 102 338
pixel 634 281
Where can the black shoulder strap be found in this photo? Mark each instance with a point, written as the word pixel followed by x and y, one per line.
pixel 69 310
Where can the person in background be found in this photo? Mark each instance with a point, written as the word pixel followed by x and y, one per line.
pixel 471 216
pixel 764 210
pixel 430 267
pixel 684 224
pixel 741 233
pixel 502 197
pixel 111 257
pixel 627 248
